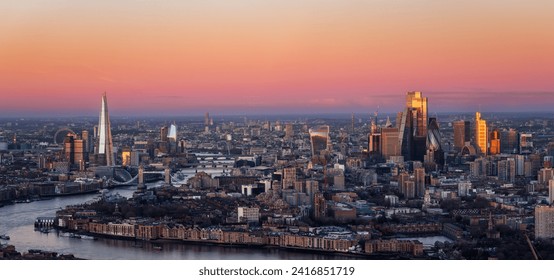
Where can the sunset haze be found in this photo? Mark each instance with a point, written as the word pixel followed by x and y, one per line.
pixel 188 57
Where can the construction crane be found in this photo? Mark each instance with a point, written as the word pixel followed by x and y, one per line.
pixel 532 248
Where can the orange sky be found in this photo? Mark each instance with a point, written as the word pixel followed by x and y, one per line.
pixel 274 56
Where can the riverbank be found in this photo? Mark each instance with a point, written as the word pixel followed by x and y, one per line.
pixel 9 252
pixel 161 244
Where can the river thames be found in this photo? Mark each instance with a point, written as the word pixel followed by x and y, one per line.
pixel 17 221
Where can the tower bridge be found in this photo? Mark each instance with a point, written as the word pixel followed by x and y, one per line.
pixel 171 178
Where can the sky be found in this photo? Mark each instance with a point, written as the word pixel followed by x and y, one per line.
pixel 274 56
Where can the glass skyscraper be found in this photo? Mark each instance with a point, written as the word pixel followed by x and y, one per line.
pixel 104 144
pixel 481 133
pixel 412 123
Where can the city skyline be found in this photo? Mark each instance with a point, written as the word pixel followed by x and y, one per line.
pixel 274 57
pixel 325 187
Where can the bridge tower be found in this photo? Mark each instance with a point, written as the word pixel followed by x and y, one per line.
pixel 141 186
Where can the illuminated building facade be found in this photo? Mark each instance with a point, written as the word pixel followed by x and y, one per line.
pixel 481 133
pixel 104 144
pixel 374 139
pixel 126 156
pixel 494 142
pixel 462 134
pixel 172 138
pixel 320 140
pixel 74 151
pixel 87 143
pixel 163 133
pixel 390 145
pixel 525 143
pixel 435 153
pixel 412 124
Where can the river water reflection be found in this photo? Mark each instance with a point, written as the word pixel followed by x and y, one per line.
pixel 17 221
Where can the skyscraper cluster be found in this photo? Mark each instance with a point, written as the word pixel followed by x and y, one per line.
pixel 412 124
pixel 416 137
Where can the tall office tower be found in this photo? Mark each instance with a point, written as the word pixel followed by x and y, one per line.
pixel 389 142
pixel 74 150
pixel 413 127
pixel 480 167
pixel 289 177
pixel 435 153
pixel 87 141
pixel 403 177
pixel 320 140
pixel 79 154
pixel 462 134
pixel 320 206
pixel 172 133
pixel 163 133
pixel 409 189
pixel 507 170
pixel 289 132
pixel 528 168
pixel 544 222
pixel 509 141
pixel 172 139
pixel 374 139
pixel 512 170
pixel 520 165
pixel 126 156
pixel 69 147
pixel 181 147
pixel 551 192
pixel 525 143
pixel 419 182
pixel 207 119
pixel 536 162
pixel 312 187
pixel 494 142
pixel 104 144
pixel 481 133
pixel 95 133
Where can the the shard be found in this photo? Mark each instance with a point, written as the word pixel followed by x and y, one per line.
pixel 104 144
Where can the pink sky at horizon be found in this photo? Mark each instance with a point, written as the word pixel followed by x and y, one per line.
pixel 275 56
